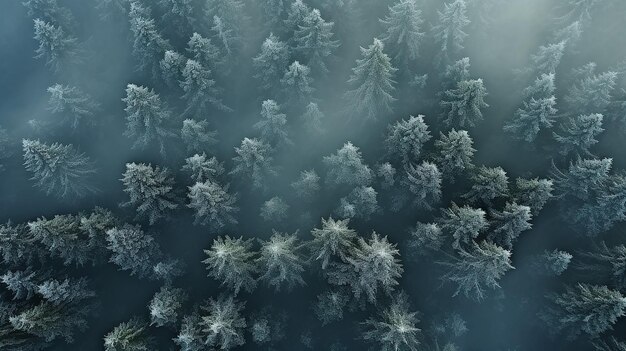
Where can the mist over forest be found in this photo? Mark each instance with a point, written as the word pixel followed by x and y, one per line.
pixel 390 175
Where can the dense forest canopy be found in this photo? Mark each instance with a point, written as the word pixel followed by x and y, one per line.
pixel 395 175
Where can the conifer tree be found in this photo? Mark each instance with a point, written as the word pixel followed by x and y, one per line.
pixel 199 88
pixel 273 124
pixel 313 40
pixel 463 224
pixel 172 65
pixel 449 32
pixel 149 45
pixel 223 323
pixel 150 190
pixel 213 205
pixel 254 161
pixel 406 138
pixel 197 136
pixel 579 133
pixel 312 118
pixel 372 82
pixel 64 237
pixel 395 328
pixel 271 62
pixel 454 152
pixel 488 184
pixel 403 31
pixel 56 47
pixel 281 261
pixel 165 306
pixel 462 106
pixel 231 261
pixel 133 250
pixel 274 210
pixel 346 166
pixel 333 240
pixel 77 107
pixel 296 84
pixel 129 336
pixel 509 224
pixel 424 183
pixel 202 168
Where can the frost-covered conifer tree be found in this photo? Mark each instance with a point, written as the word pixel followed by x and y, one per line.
pixel 426 238
pixel 477 269
pixel 592 94
pixel 172 65
pixel 179 15
pixel 190 336
pixel 372 82
pixel 49 321
pixel 387 173
pixel 213 205
pixel 333 240
pixel 199 88
pixel 509 224
pixel 395 328
pixel 202 168
pixel 146 117
pixel 21 284
pixel 66 292
pixel 165 306
pixel 449 33
pixel 346 166
pixel 424 183
pixel 330 306
pixel 96 223
pixel 463 224
pixel 18 245
pixel 552 263
pixel 133 250
pixel 197 136
pixel 254 161
pixel 75 106
pixel 372 266
pixel 548 58
pixel 274 209
pixel 403 33
pixel 223 323
pixel 56 47
pixel 456 72
pixel 64 237
pixel 579 133
pixel 149 45
pixel 231 261
pixel 150 190
pixel 462 106
pixel 454 152
pixel 312 118
pixel 273 124
pixel 49 11
pixel 406 138
pixel 584 308
pixel 271 63
pixel 584 178
pixel 281 261
pixel 361 202
pixel 58 169
pixel 488 184
pixel 296 84
pixel 296 15
pixel 202 50
pixel 605 264
pixel 129 336
pixel 314 41
pixel 307 185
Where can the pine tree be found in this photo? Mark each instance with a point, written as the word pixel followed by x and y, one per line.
pixel 49 11
pixel 147 117
pixel 150 190
pixel 387 173
pixel 254 161
pixel 179 15
pixel 463 224
pixel 454 152
pixel 18 245
pixel 462 106
pixel 197 136
pixel 172 65
pixel 202 168
pixel 330 306
pixel 231 261
pixel 406 138
pixel 307 185
pixel 333 240
pixel 64 237
pixel 281 261
pixel 395 328
pixel 476 270
pixel 346 167
pixel 372 80
pixel 190 336
pixel 552 263
pixel 424 183
pixel 296 16
pixel 76 106
pixel 592 94
pixel 361 202
pixel 199 88
pixel 133 250
pixel 509 224
pixel 455 73
pixel 449 32
pixel 426 238
pixel 273 124
pixel 579 133
pixel 129 336
pixel 271 63
pixel 296 84
pixel 50 321
pixel 68 291
pixel 585 308
pixel 148 44
pixel 548 58
pixel 313 39
pixel 56 47
pixel 488 184
pixel 165 306
pixel 605 264
pixel 403 31
pixel 213 204
pixel 223 323
pixel 203 51
pixel 58 169
pixel 312 119
pixel 229 20
pixel 274 210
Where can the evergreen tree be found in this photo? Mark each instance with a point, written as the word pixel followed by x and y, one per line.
pixel 56 47
pixel 330 306
pixel 296 84
pixel 312 118
pixel 179 15
pixel 76 106
pixel 313 40
pixel 333 240
pixel 18 245
pixel 49 11
pixel 223 323
pixel 146 117
pixel 49 321
pixel 64 237
pixel 372 80
pixel 509 224
pixel 148 44
pixel 150 190
pixel 395 328
pixel 190 336
pixel 455 73
pixel 307 185
pixel 476 270
pixel 203 51
pixel 254 161
pixel 424 183
pixel 592 94
pixel 271 62
pixel 360 203
pixel 449 32
pixel 231 261
pixel 403 31
pixel 488 184
pixel 213 204
pixel 202 168
pixel 66 291
pixel 531 118
pixel 129 336
pixel 454 152
pixel 426 238
pixel 197 136
pixel 273 124
pixel 281 261
pixel 133 250
pixel 228 22
pixel 296 16
pixel 58 169
pixel 387 173
pixel 199 89
pixel 274 210
pixel 548 58
pixel 552 262
pixel 462 106
pixel 463 224
pixel 585 308
pixel 172 65
pixel 165 306
pixel 406 138
pixel 579 132
pixel 346 167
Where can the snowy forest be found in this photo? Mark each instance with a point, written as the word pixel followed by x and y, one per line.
pixel 337 175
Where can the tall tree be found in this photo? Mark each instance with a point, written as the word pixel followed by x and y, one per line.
pixel 271 63
pixel 148 44
pixel 462 106
pixel 403 31
pixel 56 47
pixel 231 261
pixel 313 40
pixel 449 32
pixel 75 106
